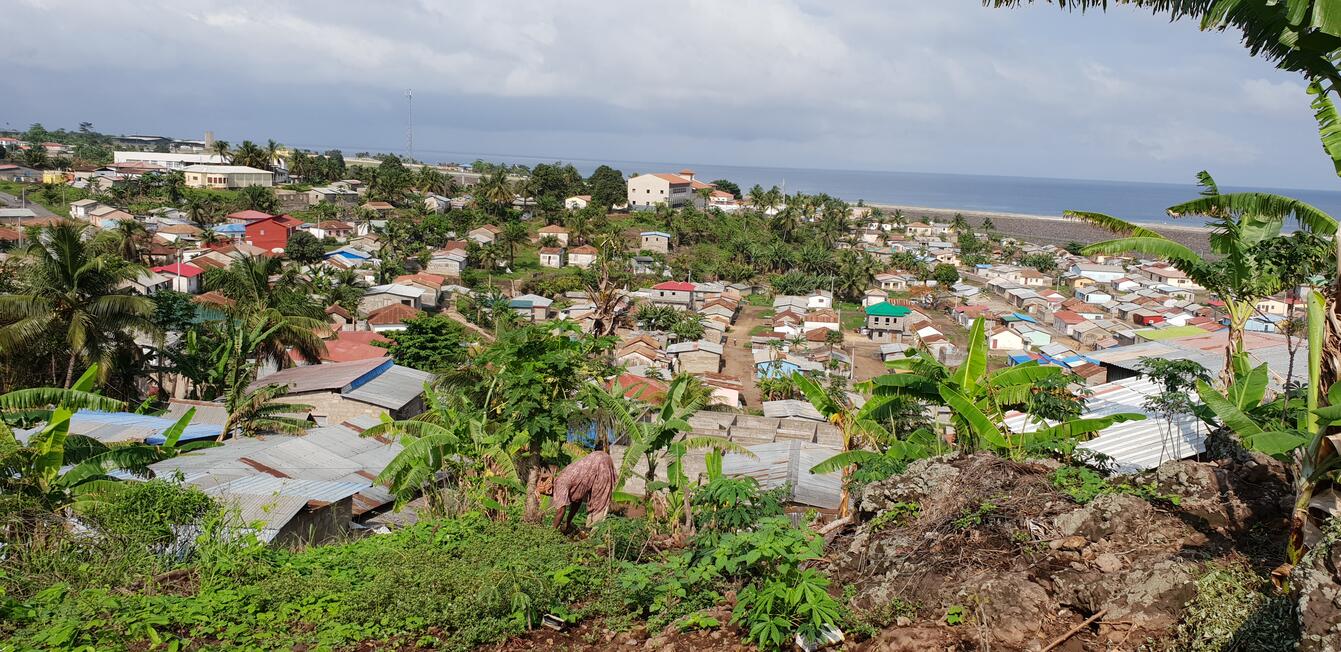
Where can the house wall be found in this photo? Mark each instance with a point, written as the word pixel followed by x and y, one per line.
pixel 699 362
pixel 332 408
pixel 317 525
pixel 655 243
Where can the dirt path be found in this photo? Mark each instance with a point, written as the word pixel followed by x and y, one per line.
pixel 738 358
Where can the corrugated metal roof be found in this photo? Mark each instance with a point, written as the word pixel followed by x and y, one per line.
pixel 393 388
pixel 1133 445
pixel 792 408
pixel 270 513
pixel 111 427
pixel 330 376
pixel 267 485
pixel 789 463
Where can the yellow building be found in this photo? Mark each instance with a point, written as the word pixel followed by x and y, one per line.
pixel 54 176
pixel 223 177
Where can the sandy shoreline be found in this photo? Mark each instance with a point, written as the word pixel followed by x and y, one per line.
pixel 1048 229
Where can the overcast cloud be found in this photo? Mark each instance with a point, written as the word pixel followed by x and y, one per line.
pixel 935 86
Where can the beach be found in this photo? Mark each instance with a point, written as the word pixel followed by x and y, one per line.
pixel 1045 229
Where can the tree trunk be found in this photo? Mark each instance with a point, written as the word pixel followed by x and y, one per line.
pixel 69 370
pixel 532 513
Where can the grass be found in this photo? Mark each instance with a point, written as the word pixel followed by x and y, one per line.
pixel 452 584
pixel 36 196
pixel 760 299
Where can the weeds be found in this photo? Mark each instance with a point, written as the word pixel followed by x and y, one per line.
pixel 1084 485
pixel 898 514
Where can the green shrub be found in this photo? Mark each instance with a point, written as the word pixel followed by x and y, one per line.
pixel 1234 609
pixel 728 504
pixel 624 539
pixel 149 511
pixel 1084 485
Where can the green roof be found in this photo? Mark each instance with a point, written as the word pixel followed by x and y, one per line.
pixel 1172 332
pixel 886 309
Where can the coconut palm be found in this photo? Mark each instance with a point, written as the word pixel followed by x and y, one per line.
pixel 280 316
pixel 495 192
pixel 223 149
pixel 256 411
pixel 274 153
pixel 1239 221
pixel 250 154
pixel 514 233
pixel 74 294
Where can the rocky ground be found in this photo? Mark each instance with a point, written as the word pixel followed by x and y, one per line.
pixel 983 553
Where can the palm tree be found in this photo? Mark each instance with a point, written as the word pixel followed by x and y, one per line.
pixel 496 192
pixel 514 233
pixel 256 411
pixel 281 317
pixel 1238 222
pixel 129 234
pixel 251 155
pixel 222 148
pixel 74 294
pixel 274 153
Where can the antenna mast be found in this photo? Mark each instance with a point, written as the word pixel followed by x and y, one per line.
pixel 409 122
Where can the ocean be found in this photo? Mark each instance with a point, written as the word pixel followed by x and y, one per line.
pixel 1137 202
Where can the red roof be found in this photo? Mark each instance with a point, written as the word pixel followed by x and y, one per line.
pixel 677 286
pixel 249 215
pixel 395 313
pixel 348 346
pixel 643 389
pixel 214 298
pixel 674 180
pixel 431 280
pixel 180 269
pixel 288 221
pixel 1068 317
pixel 585 250
pixel 9 234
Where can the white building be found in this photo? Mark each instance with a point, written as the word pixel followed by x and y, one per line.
pixel 649 190
pixel 171 161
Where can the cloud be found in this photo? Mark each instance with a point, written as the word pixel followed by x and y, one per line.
pixel 1274 97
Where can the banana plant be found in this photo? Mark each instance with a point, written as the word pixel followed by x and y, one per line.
pixel 58 470
pixel 1307 448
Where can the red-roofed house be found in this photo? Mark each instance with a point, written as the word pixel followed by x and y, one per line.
pixel 582 256
pixel 348 346
pixel 640 388
pixel 272 233
pixel 244 217
pixel 392 317
pixel 677 294
pixel 1065 321
pixel 185 276
pixel 648 190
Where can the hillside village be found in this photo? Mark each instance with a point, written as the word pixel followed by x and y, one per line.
pixel 304 321
pixel 923 285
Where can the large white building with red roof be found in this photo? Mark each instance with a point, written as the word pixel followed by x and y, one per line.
pixel 646 191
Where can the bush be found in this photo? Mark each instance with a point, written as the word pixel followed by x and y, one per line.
pixel 1234 610
pixel 151 512
pixel 624 539
pixel 729 504
pixel 1083 485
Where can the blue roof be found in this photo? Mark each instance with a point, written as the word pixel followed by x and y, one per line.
pixel 660 233
pixel 983 266
pixel 129 421
pixel 520 303
pixel 1024 318
pixel 230 228
pixel 1020 358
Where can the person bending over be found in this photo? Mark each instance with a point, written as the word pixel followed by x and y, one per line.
pixel 590 480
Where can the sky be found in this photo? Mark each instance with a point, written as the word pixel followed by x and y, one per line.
pixel 920 86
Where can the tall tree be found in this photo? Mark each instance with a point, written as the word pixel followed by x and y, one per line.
pixel 74 293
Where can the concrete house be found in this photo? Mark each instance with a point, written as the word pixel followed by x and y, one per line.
pixel 531 307
pixel 1093 295
pixel 655 241
pixel 1004 339
pixel 1167 275
pixel 886 321
pixel 227 177
pixel 430 283
pixel 484 234
pixel 185 277
pixel 559 233
pixel 1098 273
pixel 341 391
pixel 583 256
pixel 678 294
pixel 79 210
pixel 450 262
pixel 698 357
pixel 648 190
pixel 552 257
pixel 577 202
pixel 391 317
pixel 379 296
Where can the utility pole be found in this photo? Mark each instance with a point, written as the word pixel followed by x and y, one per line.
pixel 409 122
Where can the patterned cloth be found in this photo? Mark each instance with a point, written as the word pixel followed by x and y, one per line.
pixel 590 479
